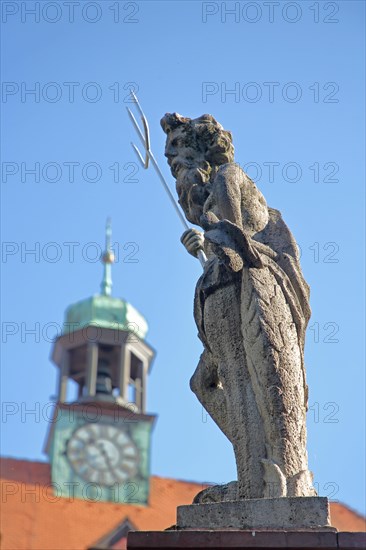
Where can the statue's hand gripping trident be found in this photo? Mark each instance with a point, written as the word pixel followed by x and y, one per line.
pixel 190 237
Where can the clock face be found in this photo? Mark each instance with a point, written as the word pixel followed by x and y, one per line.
pixel 102 454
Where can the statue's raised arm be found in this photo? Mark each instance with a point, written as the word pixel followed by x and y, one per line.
pixel 251 310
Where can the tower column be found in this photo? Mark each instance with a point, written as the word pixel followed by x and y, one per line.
pixel 91 368
pixel 145 366
pixel 124 371
pixel 63 377
pixel 138 394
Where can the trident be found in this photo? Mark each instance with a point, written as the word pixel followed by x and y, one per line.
pixel 145 139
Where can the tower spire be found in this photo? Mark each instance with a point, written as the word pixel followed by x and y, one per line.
pixel 107 259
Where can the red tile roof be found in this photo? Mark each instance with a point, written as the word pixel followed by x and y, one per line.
pixel 35 519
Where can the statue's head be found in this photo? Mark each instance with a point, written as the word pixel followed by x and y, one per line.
pixel 195 148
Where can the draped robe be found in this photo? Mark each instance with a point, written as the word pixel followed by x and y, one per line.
pixel 251 310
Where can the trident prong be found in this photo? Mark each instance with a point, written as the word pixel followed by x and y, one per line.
pixel 139 156
pixel 145 139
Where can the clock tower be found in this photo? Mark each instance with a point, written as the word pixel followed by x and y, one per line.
pixel 99 444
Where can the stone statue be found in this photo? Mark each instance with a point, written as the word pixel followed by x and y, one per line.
pixel 251 309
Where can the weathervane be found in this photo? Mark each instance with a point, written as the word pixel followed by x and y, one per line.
pixel 145 139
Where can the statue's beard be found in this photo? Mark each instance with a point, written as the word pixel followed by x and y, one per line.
pixel 193 188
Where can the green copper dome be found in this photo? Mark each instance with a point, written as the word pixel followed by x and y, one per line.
pixel 102 310
pixel 105 312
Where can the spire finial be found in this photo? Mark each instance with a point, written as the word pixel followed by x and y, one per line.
pixel 107 259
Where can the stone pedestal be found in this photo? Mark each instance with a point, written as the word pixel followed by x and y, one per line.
pixel 261 513
pixel 248 540
pixel 288 523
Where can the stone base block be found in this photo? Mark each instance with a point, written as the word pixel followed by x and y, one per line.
pixel 248 540
pixel 261 513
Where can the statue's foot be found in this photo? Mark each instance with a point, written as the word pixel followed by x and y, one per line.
pixel 217 493
pixel 274 480
pixel 301 485
pixel 277 485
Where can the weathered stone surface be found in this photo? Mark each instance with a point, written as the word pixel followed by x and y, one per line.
pixel 263 513
pixel 251 310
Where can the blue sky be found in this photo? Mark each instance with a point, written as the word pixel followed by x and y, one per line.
pixel 296 73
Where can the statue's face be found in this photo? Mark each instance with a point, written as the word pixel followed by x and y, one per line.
pixel 182 151
pixel 186 158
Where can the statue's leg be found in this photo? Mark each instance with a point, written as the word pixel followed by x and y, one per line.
pixel 275 366
pixel 209 392
pixel 206 385
pixel 244 428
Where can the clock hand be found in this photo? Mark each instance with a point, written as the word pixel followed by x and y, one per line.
pixel 105 454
